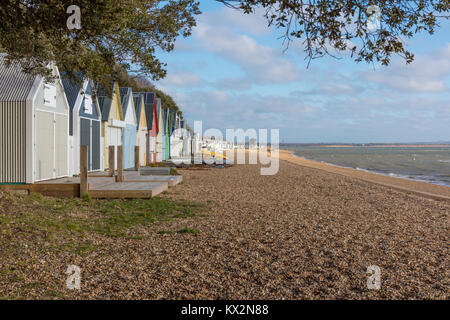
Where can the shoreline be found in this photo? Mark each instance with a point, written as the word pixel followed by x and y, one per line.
pixel 421 188
pixel 392 175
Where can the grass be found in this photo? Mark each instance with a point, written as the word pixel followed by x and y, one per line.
pixel 185 230
pixel 173 171
pixel 157 164
pixel 188 230
pixel 66 219
pixel 35 227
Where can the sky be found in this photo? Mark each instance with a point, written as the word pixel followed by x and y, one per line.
pixel 233 72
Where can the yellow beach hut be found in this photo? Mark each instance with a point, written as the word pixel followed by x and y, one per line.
pixel 112 121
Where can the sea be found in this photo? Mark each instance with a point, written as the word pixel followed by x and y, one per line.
pixel 429 164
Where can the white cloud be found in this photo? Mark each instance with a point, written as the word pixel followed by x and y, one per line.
pixel 254 23
pixel 426 73
pixel 263 64
pixel 181 79
pixel 335 99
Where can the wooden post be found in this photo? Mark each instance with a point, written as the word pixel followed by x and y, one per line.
pixel 137 162
pixel 83 170
pixel 119 164
pixel 111 160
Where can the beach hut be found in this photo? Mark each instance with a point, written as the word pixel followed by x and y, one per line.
pixel 129 132
pixel 168 132
pixel 165 144
pixel 112 121
pixel 142 128
pixel 176 141
pixel 152 124
pixel 160 133
pixel 34 126
pixel 186 151
pixel 84 125
pixel 151 106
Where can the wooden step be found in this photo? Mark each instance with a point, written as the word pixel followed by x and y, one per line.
pixel 154 171
pixel 128 190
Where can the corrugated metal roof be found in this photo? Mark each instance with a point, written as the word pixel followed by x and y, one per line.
pixel 149 97
pixel 158 110
pixel 104 102
pixel 137 98
pixel 124 98
pixel 172 119
pixel 15 85
pixel 149 115
pixel 71 89
pixel 124 90
pixel 105 106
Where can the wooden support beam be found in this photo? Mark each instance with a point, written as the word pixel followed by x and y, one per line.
pixel 119 164
pixel 137 162
pixel 83 170
pixel 111 160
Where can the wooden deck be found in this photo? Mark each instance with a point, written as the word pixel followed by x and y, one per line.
pixel 101 186
pixel 133 176
pixel 129 190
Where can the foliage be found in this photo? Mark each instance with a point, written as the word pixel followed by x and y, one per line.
pixel 140 83
pixel 113 32
pixel 341 25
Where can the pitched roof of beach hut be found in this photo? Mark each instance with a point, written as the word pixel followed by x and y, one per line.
pixel 126 98
pixel 71 88
pixel 15 84
pixel 139 106
pixel 125 95
pixel 160 115
pixel 149 98
pixel 105 101
pixel 174 119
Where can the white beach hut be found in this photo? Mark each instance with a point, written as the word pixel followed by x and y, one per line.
pixel 34 126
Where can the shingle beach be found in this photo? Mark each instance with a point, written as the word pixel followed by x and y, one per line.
pixel 303 233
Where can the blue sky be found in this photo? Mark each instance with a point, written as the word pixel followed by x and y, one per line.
pixel 232 73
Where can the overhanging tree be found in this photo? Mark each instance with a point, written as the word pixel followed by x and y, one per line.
pixel 129 32
pixel 113 32
pixel 371 30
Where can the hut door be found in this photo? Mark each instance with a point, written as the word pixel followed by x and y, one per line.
pixel 95 145
pixel 61 147
pixel 44 146
pixel 85 138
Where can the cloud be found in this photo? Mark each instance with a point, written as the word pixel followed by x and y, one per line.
pixel 426 73
pixel 234 83
pixel 181 79
pixel 232 78
pixel 262 64
pixel 253 23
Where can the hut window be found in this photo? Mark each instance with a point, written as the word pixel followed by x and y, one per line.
pixel 49 95
pixel 88 104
